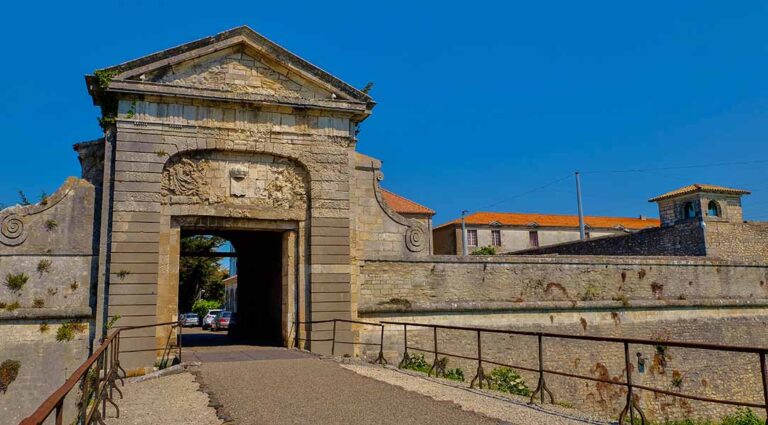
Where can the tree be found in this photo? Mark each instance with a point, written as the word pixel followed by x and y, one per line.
pixel 200 277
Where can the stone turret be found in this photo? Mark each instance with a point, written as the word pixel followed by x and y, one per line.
pixel 700 203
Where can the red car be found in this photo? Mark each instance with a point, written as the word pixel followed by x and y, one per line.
pixel 221 321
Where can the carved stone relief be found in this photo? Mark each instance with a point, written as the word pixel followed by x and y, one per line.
pixel 242 180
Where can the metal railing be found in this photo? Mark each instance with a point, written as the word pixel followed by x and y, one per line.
pixel 379 359
pixel 96 379
pixel 630 405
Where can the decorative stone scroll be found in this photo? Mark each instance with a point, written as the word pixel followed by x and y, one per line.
pixel 12 230
pixel 416 238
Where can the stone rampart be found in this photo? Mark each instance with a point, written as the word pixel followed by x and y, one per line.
pixel 46 275
pixel 686 299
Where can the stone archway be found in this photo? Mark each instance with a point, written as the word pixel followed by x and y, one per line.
pixel 241 195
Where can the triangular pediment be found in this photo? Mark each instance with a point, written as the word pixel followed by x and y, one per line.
pixel 239 69
pixel 238 61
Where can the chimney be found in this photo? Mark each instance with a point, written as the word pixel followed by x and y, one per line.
pixel 643 217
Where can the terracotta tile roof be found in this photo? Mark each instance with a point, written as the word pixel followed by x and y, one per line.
pixel 697 187
pixel 554 220
pixel 404 206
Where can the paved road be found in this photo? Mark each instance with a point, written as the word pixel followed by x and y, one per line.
pixel 264 385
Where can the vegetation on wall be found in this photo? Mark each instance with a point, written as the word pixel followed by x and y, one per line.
pixel 200 278
pixel 67 331
pixel 44 266
pixel 9 371
pixel 16 282
pixel 108 102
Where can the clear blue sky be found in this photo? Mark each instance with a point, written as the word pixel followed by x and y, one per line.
pixel 477 102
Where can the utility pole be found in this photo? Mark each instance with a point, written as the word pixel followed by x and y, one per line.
pixel 463 233
pixel 581 210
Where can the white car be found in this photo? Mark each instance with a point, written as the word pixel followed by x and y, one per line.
pixel 208 319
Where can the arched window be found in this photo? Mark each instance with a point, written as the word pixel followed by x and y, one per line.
pixel 688 210
pixel 713 209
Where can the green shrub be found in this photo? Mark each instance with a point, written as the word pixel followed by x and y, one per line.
pixel 15 282
pixel 66 331
pixel 13 306
pixel 486 250
pixel 202 307
pixel 454 374
pixel 507 380
pixel 416 363
pixel 743 416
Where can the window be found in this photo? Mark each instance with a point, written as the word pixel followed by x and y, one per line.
pixel 472 237
pixel 688 210
pixel 533 239
pixel 496 237
pixel 713 209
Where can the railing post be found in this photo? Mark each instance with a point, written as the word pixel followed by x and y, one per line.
pixel 480 375
pixel 380 359
pixel 333 342
pixel 630 406
pixel 435 367
pixel 406 357
pixel 60 413
pixel 180 335
pixel 541 387
pixel 765 383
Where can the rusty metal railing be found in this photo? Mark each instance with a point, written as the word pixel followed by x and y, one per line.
pixel 630 405
pixel 379 359
pixel 97 381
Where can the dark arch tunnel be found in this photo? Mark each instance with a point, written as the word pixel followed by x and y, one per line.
pixel 259 285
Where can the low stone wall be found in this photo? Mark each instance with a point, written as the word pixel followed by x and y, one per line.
pixel 679 240
pixel 47 267
pixel 685 299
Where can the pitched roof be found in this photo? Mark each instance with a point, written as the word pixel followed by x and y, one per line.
pixel 697 187
pixel 239 35
pixel 555 220
pixel 404 206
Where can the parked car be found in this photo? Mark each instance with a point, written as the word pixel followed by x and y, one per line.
pixel 208 319
pixel 189 320
pixel 221 321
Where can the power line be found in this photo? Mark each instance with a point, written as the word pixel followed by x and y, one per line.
pixel 681 167
pixel 527 192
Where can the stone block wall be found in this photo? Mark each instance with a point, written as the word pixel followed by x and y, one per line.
pixel 739 241
pixel 47 265
pixel 685 239
pixel 686 299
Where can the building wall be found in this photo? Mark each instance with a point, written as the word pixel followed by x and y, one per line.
pixel 52 244
pixel 688 299
pixel 738 241
pixel 448 238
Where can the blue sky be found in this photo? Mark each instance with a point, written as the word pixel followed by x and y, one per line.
pixel 477 103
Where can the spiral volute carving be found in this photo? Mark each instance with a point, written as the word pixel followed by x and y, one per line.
pixel 12 230
pixel 415 239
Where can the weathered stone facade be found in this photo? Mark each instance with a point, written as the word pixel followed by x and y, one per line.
pixel 47 272
pixel 685 299
pixel 233 135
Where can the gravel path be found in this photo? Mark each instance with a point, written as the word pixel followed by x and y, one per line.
pixel 317 391
pixel 170 400
pixel 499 407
